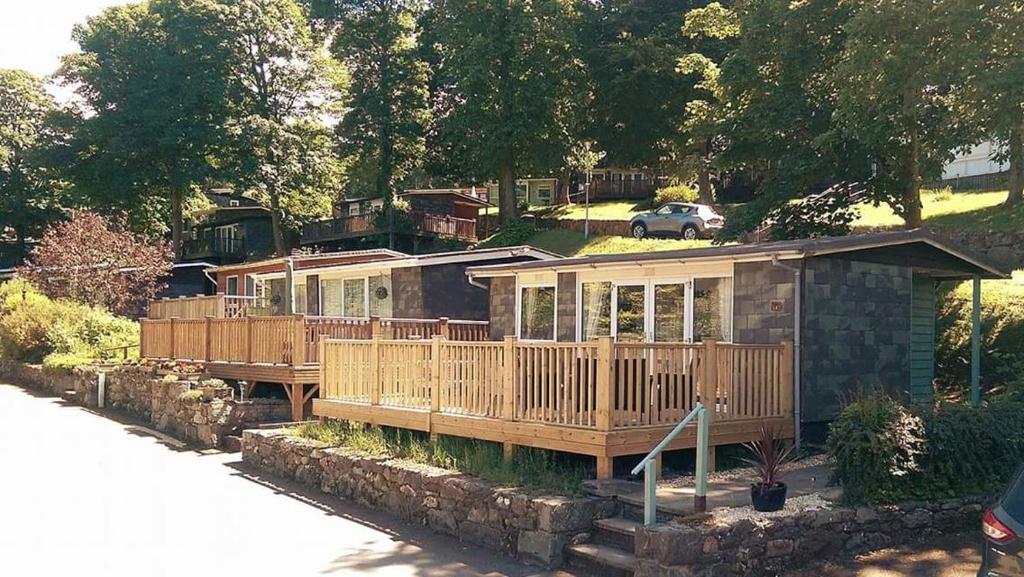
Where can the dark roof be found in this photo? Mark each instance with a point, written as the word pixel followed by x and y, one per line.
pixel 932 250
pixel 457 194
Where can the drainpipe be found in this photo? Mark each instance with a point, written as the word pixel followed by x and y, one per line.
pixel 289 288
pixel 797 318
pixel 476 283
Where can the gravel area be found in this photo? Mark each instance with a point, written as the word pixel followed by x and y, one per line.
pixel 727 516
pixel 743 472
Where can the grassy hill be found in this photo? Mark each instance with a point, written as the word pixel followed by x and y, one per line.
pixel 572 243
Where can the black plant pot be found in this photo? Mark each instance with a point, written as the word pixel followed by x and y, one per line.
pixel 767 499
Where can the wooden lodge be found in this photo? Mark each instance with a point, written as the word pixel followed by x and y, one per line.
pixel 604 355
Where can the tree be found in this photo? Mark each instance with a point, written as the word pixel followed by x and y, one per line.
pixel 631 49
pixel 95 260
pixel 154 103
pixel 281 83
pixel 705 114
pixel 509 90
pixel 387 110
pixel 894 86
pixel 30 193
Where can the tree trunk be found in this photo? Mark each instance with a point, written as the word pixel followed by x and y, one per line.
pixel 507 209
pixel 384 177
pixel 912 194
pixel 280 247
pixel 705 192
pixel 1016 146
pixel 176 222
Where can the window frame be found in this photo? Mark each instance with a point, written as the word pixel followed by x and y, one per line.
pixel 519 310
pixel 227 285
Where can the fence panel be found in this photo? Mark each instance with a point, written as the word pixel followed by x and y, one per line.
pixel 332 328
pixel 469 330
pixel 347 371
pixel 190 339
pixel 752 381
pixel 654 383
pixel 155 339
pixel 271 339
pixel 556 383
pixel 472 378
pixel 405 373
pixel 229 340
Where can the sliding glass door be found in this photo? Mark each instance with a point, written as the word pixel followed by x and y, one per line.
pixel 630 313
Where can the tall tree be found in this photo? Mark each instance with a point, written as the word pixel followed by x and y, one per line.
pixel 282 82
pixel 708 27
pixel 894 93
pixel 30 192
pixel 384 126
pixel 154 101
pixel 509 89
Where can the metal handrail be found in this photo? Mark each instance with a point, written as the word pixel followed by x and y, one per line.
pixel 649 463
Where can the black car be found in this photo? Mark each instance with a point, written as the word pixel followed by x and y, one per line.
pixel 1003 527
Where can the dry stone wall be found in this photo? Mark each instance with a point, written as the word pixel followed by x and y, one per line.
pixel 766 547
pixel 199 413
pixel 532 529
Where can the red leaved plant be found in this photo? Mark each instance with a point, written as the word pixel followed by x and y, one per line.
pixel 770 454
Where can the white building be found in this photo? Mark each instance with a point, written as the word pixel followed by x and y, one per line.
pixel 977 162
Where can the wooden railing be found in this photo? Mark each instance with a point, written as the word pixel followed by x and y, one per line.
pixel 283 340
pixel 598 385
pixel 440 225
pixel 200 306
pixel 445 226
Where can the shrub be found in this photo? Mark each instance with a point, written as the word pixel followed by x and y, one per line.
pixel 512 233
pixel 676 193
pixel 64 363
pixel 1002 332
pixel 875 444
pixel 883 452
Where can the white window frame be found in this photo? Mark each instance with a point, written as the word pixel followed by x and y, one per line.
pixel 649 283
pixel 519 310
pixel 227 284
pixel 343 279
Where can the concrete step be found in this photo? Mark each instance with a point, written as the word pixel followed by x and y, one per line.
pixel 600 560
pixel 617 532
pixel 633 508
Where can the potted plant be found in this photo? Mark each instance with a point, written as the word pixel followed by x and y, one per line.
pixel 769 456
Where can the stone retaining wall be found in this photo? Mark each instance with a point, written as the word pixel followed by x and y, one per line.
pixel 532 529
pixel 765 547
pixel 203 418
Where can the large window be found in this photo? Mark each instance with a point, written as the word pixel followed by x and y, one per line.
pixel 232 288
pixel 537 313
pixel 712 309
pixel 670 312
pixel 300 298
pixel 354 298
pixel 595 310
pixel 330 295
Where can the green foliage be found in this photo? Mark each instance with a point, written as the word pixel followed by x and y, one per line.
pixel 675 193
pixel 830 215
pixel 1002 332
pixel 512 233
pixel 883 452
pixel 65 363
pixel 536 470
pixel 34 328
pixel 191 396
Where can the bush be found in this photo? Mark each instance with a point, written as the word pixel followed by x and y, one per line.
pixel 34 327
pixel 1002 332
pixel 875 444
pixel 65 363
pixel 511 233
pixel 676 193
pixel 883 452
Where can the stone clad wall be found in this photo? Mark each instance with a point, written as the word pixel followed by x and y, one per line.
pixel 533 529
pixel 503 307
pixel 202 416
pixel 785 542
pixel 755 286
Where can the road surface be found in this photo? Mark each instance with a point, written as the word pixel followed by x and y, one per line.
pixel 83 495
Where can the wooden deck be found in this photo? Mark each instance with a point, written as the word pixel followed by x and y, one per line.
pixel 600 398
pixel 280 350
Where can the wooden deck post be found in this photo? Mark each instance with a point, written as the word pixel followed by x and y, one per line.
pixel 298 340
pixel 436 342
pixel 248 340
pixel 603 396
pixel 298 406
pixel 209 340
pixel 172 355
pixel 709 393
pixel 375 328
pixel 508 384
pixel 375 369
pixel 442 327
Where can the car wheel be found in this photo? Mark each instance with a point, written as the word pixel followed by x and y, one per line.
pixel 690 232
pixel 639 230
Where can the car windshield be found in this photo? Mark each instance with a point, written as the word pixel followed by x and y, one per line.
pixel 1013 502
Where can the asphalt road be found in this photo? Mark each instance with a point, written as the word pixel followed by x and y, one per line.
pixel 84 495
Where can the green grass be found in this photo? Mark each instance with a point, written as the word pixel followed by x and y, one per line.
pixel 572 243
pixel 943 209
pixel 612 210
pixel 535 470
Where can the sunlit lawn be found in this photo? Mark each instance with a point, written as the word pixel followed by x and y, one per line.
pixel 613 210
pixel 572 243
pixel 948 210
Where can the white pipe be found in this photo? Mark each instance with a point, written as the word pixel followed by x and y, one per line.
pixel 797 313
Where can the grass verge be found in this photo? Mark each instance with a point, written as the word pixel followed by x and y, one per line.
pixel 572 243
pixel 538 471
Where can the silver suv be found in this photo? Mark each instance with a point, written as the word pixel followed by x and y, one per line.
pixel 691 221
